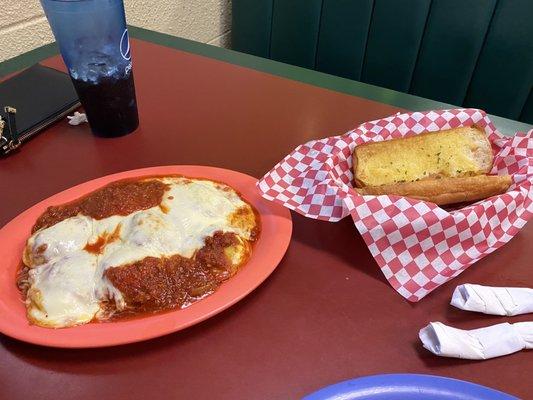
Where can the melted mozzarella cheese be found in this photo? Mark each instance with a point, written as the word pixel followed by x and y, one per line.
pixel 62 292
pixel 59 240
pixel 191 210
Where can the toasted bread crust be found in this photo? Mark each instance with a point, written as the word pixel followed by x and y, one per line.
pixel 445 190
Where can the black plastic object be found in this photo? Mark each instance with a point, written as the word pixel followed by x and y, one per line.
pixel 40 96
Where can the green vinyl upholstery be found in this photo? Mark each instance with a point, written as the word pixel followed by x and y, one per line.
pixel 472 53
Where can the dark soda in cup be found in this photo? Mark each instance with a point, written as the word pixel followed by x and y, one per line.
pixel 110 105
pixel 93 39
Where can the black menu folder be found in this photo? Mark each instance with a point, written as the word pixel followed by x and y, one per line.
pixel 41 96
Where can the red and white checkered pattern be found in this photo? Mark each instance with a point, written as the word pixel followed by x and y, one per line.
pixel 417 244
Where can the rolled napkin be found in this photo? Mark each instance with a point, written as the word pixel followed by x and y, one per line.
pixel 477 344
pixel 493 300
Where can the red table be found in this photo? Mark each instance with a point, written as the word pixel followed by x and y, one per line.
pixel 326 314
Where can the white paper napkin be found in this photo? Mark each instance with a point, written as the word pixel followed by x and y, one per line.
pixel 478 344
pixel 77 118
pixel 493 300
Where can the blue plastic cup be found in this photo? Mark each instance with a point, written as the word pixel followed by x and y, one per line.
pixel 93 40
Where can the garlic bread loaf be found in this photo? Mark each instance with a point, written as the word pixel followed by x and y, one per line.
pixel 443 167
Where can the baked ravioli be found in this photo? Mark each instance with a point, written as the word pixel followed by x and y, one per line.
pixel 134 247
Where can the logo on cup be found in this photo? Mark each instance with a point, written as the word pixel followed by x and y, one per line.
pixel 125 45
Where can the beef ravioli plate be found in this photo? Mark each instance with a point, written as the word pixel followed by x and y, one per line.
pixel 134 247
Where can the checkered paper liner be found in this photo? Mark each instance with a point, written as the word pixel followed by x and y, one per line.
pixel 418 245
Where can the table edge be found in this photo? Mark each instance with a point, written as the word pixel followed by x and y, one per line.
pixel 295 73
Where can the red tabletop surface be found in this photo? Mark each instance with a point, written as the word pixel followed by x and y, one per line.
pixel 326 313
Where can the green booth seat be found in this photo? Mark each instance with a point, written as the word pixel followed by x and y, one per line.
pixel 472 53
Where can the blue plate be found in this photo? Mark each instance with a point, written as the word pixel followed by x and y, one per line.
pixel 407 387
